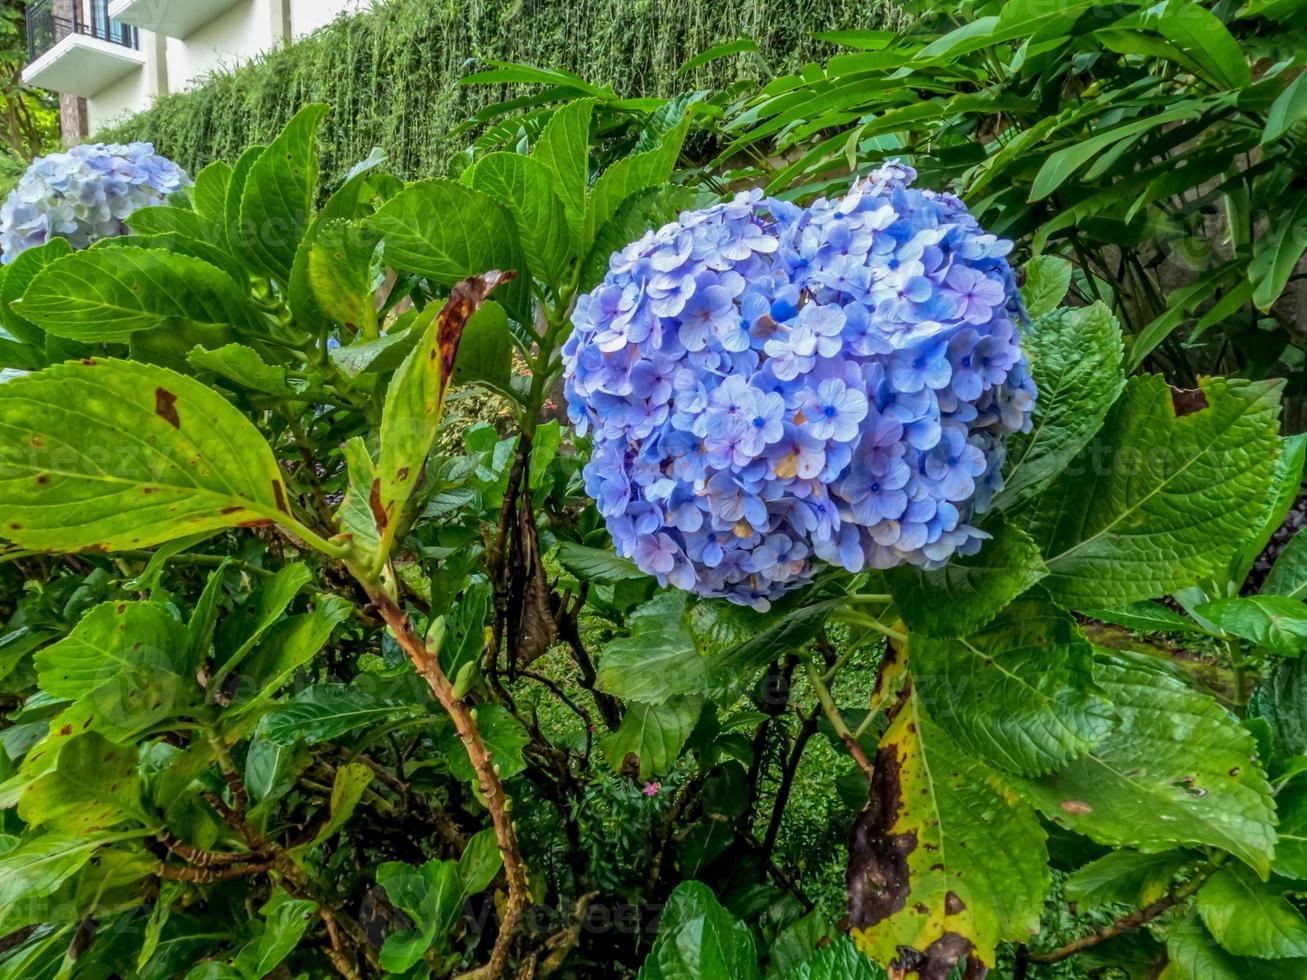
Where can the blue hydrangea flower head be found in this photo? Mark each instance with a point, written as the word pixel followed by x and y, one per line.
pixel 769 387
pixel 84 195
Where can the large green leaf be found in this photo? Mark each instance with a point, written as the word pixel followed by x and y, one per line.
pixel 629 176
pixel 447 231
pixel 1249 918
pixel 277 197
pixel 39 865
pixel 700 940
pixel 597 565
pixel 1126 878
pixel 564 147
pixel 113 640
pixel 1289 573
pixel 1286 484
pixel 1272 622
pixel 839 959
pixel 1158 500
pixel 651 736
pixel 340 273
pixel 1291 848
pixel 415 402
pixel 968 592
pixel 1288 109
pixel 1020 694
pixel 17 277
pixel 110 294
pixel 504 736
pixel 525 186
pixel 945 860
pixel 109 455
pixel 1177 770
pixel 327 711
pixel 1195 955
pixel 658 659
pixel 1076 361
pixel 94 786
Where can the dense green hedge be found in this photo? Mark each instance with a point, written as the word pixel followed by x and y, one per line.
pixel 392 73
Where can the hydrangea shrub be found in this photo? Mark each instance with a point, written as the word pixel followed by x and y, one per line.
pixel 84 195
pixel 769 385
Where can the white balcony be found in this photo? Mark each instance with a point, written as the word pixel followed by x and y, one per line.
pixel 83 65
pixel 175 18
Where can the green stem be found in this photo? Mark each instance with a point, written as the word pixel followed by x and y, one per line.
pixel 832 712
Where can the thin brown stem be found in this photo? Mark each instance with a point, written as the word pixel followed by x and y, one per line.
pixel 489 783
pixel 1126 923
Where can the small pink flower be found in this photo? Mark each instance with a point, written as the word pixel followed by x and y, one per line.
pixel 651 789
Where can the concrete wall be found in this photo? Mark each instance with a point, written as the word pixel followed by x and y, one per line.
pixel 306 16
pixel 127 95
pixel 241 33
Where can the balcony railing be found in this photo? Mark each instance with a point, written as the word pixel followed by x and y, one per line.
pixel 45 28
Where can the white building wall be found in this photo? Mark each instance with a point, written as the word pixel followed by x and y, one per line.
pixel 127 95
pixel 306 16
pixel 236 36
pixel 239 34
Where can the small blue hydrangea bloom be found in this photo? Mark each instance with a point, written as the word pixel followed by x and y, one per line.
pixel 84 195
pixel 770 386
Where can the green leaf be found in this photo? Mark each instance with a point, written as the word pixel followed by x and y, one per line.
pixel 1278 253
pixel 945 860
pixel 379 356
pixel 1075 359
pixel 837 960
pixel 1048 277
pixel 596 565
pixel 1178 770
pixel 636 215
pixel 1272 622
pixel 288 645
pixel 242 365
pixel 480 862
pixel 1288 575
pixel 447 232
pixel 525 186
pixel 1286 484
pixel 93 787
pixel 415 403
pixel 629 176
pixel 651 736
pixel 39 865
pixel 1125 878
pixel 1288 109
pixel 327 711
pixel 502 734
pixel 1291 848
pixel 340 272
pixel 1249 918
pixel 1059 166
pixel 1146 617
pixel 165 220
pixel 112 455
pixel 741 45
pixel 1158 501
pixel 18 276
pixel 659 658
pixel 285 921
pixel 1019 694
pixel 113 640
pixel 351 782
pixel 209 195
pixel 564 147
pixel 432 897
pixel 1281 701
pixel 485 354
pixel 109 294
pixel 1195 955
pixel 700 940
pixel 1201 37
pixel 253 617
pixel 277 198
pixel 968 592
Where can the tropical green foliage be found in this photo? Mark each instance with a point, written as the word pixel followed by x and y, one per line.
pixel 316 659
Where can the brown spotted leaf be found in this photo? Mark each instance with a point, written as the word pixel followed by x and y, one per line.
pixel 945 862
pixel 112 455
pixel 416 400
